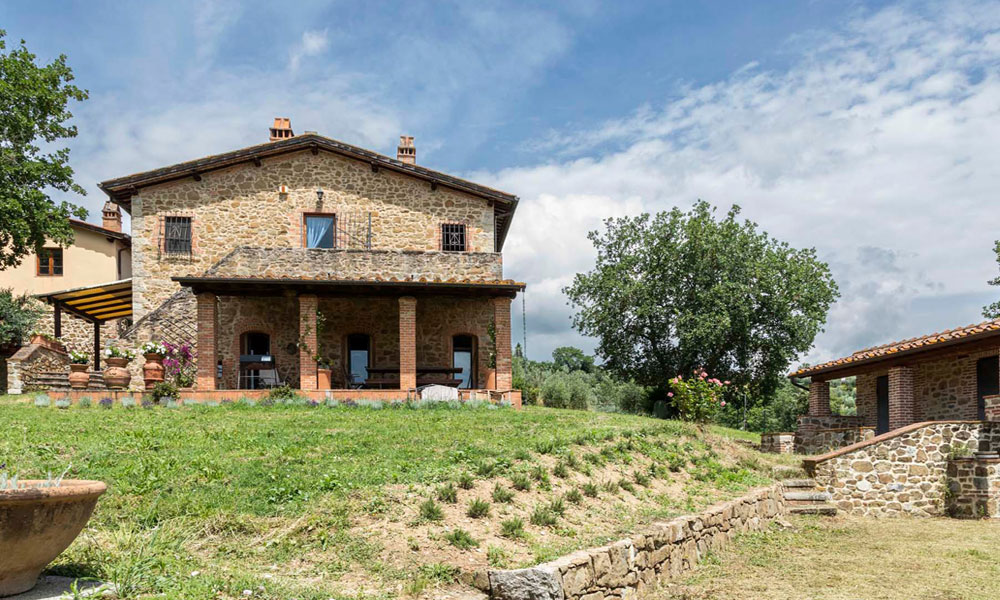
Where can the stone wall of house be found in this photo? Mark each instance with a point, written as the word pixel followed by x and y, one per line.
pixel 904 474
pixel 242 206
pixel 809 437
pixel 777 442
pixel 630 566
pixel 973 487
pixel 276 316
pixel 277 263
pixel 24 366
pixel 78 334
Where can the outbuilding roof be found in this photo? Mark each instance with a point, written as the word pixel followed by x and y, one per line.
pixel 905 347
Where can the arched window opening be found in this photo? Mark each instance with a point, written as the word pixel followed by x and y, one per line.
pixel 359 347
pixel 463 355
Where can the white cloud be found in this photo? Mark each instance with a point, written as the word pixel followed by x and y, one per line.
pixel 877 146
pixel 313 43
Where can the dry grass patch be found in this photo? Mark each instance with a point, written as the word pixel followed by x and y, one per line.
pixel 847 558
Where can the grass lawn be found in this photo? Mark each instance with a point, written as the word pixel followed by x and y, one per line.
pixel 320 502
pixel 847 558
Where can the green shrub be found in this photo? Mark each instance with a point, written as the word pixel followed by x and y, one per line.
pixel 626 485
pixel 466 481
pixel 461 539
pixel 558 506
pixel 520 482
pixel 280 394
pixel 512 528
pixel 447 493
pixel 502 495
pixel 697 398
pixel 641 478
pixel 561 470
pixel 478 509
pixel 543 516
pixel 574 496
pixel 590 490
pixel 164 391
pixel 430 511
pixel 84 402
pixel 496 557
pixel 568 390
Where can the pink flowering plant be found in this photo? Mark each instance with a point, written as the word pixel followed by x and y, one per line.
pixel 178 364
pixel 699 398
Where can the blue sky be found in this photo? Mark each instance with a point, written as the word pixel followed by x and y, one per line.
pixel 867 130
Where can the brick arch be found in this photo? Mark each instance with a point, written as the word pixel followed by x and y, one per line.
pixel 242 327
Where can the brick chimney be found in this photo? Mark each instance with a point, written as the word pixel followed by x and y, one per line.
pixel 282 129
pixel 112 217
pixel 406 151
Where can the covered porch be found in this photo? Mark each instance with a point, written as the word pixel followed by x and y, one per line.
pixel 360 338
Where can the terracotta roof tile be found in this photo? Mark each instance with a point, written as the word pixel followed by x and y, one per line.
pixel 912 344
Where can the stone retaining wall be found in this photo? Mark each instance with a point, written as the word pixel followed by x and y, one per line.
pixel 627 567
pixel 28 362
pixel 825 440
pixel 973 487
pixel 777 442
pixel 900 472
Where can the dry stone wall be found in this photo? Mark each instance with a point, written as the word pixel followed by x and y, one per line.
pixel 242 206
pixel 905 473
pixel 777 442
pixel 629 566
pixel 29 362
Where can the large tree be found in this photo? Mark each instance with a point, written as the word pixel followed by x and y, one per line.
pixel 33 113
pixel 677 291
pixel 993 310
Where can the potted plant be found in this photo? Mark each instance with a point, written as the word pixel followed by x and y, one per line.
pixel 153 370
pixel 47 341
pixel 79 375
pixel 324 374
pixel 38 520
pixel 116 375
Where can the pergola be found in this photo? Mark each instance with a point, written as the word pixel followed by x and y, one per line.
pixel 93 303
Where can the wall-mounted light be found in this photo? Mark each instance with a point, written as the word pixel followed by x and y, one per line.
pixel 319 194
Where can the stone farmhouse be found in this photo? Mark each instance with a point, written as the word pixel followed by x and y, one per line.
pixel 320 265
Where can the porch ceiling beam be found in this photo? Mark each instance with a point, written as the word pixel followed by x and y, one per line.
pixel 910 357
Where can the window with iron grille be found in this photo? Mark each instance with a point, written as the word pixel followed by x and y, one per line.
pixel 177 235
pixel 453 237
pixel 50 261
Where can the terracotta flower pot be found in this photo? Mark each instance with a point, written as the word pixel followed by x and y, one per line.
pixel 54 345
pixel 116 375
pixel 152 371
pixel 491 379
pixel 324 376
pixel 37 524
pixel 79 376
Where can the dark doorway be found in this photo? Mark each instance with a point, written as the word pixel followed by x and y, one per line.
pixel 987 382
pixel 882 403
pixel 463 357
pixel 359 346
pixel 255 352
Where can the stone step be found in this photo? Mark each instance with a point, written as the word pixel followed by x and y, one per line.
pixel 824 509
pixel 799 483
pixel 807 496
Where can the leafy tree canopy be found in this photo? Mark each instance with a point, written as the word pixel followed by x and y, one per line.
pixel 18 315
pixel 993 310
pixel 33 112
pixel 676 291
pixel 572 359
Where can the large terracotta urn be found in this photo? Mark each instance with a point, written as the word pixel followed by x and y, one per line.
pixel 152 371
pixel 116 375
pixel 324 378
pixel 79 376
pixel 37 524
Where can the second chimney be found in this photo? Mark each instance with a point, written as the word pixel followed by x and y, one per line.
pixel 406 152
pixel 111 217
pixel 282 129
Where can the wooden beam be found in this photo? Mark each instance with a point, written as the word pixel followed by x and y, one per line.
pixel 57 318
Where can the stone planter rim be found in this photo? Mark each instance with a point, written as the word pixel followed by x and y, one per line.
pixel 76 366
pixel 68 488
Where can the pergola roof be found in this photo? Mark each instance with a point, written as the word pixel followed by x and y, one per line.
pixel 95 303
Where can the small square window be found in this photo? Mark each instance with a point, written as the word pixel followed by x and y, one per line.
pixel 50 262
pixel 177 235
pixel 453 237
pixel 320 231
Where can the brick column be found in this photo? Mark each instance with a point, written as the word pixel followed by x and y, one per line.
pixel 901 397
pixel 819 398
pixel 207 352
pixel 407 342
pixel 501 323
pixel 308 343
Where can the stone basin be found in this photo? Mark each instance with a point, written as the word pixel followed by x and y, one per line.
pixel 37 524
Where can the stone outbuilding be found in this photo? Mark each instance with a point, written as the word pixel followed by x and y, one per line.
pixel 944 376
